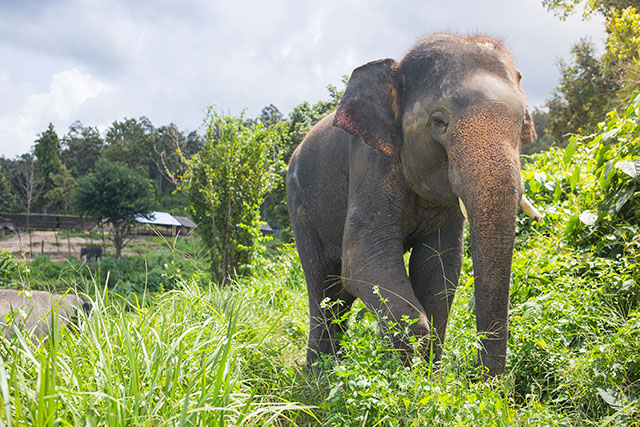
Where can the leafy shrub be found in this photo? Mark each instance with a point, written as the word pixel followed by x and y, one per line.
pixel 156 271
pixel 226 182
pixel 575 335
pixel 8 269
pixel 610 215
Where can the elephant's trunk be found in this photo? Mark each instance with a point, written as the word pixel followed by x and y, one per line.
pixel 485 171
pixel 492 226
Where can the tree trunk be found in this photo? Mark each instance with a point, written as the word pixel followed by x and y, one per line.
pixel 117 239
pixel 29 230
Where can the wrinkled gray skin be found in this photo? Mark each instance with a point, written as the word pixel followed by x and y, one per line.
pixel 383 174
pixel 91 251
pixel 33 309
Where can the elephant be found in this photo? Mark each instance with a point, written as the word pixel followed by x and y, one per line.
pixel 412 148
pixel 91 251
pixel 33 310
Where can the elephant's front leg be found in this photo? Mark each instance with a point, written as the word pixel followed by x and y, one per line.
pixel 373 270
pixel 434 269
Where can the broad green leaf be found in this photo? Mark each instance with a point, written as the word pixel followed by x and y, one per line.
pixel 609 135
pixel 623 197
pixel 600 156
pixel 557 192
pixel 606 175
pixel 575 177
pixel 628 167
pixel 588 218
pixel 570 150
pixel 571 224
pixel 611 397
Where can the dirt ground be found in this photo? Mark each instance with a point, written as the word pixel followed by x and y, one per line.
pixel 57 250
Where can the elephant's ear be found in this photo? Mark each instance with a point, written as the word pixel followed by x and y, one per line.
pixel 370 106
pixel 528 133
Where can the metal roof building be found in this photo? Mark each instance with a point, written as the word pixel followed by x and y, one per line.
pixel 159 218
pixel 185 222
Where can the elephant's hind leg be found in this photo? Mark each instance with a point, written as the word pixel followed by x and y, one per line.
pixel 328 300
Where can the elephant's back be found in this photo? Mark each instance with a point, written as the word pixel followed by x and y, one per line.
pixel 318 179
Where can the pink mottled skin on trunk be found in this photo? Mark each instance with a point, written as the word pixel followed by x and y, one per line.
pixel 484 155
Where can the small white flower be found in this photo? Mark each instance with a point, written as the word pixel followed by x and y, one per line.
pixel 324 302
pixel 376 290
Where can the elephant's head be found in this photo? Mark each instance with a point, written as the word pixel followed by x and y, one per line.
pixel 452 112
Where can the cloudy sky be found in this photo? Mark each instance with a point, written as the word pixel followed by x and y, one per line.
pixel 98 61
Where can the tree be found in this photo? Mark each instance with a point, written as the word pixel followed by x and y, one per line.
pixel 64 184
pixel 541 120
pixel 591 86
pixel 563 8
pixel 116 194
pixel 583 96
pixel 82 147
pixel 168 143
pixel 225 183
pixel 140 145
pixel 27 186
pixel 47 153
pixel 623 51
pixel 7 199
pixel 130 141
pixel 193 144
pixel 300 121
pixel 270 115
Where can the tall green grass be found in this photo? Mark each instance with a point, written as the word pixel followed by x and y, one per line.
pixel 181 360
pixel 198 354
pixel 204 355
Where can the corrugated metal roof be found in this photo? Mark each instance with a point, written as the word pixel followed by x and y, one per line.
pixel 159 218
pixel 186 222
pixel 265 227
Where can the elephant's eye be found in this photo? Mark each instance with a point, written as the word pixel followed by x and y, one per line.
pixel 439 122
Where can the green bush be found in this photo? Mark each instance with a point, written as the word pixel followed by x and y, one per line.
pixel 609 206
pixel 575 329
pixel 154 271
pixel 9 270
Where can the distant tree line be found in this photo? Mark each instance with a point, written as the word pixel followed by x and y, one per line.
pixel 591 85
pixel 228 179
pixel 59 162
pixel 231 176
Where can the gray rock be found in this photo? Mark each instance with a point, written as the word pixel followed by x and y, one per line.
pixel 33 309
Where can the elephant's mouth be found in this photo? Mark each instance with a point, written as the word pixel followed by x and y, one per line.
pixel 525 205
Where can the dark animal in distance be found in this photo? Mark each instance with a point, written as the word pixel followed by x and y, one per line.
pixel 414 146
pixel 91 251
pixel 33 310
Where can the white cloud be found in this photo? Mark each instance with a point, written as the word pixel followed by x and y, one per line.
pixel 68 91
pixel 169 60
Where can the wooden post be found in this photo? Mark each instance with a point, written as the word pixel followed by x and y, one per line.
pixel 55 233
pixel 42 247
pixel 68 243
pixel 19 240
